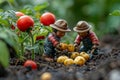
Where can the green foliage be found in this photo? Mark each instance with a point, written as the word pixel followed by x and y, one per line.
pixel 26 40
pixel 7 18
pixel 40 7
pixel 4 54
pixel 10 38
pixel 115 13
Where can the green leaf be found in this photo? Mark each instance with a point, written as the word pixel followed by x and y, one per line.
pixel 4 22
pixel 115 13
pixel 41 7
pixel 1 1
pixel 32 47
pixel 34 37
pixel 4 54
pixel 11 1
pixel 48 28
pixel 9 37
pixel 1 10
pixel 42 32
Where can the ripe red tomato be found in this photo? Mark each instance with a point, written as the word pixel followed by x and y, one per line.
pixel 18 14
pixel 30 63
pixel 25 22
pixel 13 27
pixel 47 18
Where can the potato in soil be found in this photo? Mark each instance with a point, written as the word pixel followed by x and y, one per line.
pixel 61 59
pixel 68 62
pixel 79 60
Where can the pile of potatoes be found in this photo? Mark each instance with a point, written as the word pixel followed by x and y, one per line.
pixel 75 58
pixel 69 47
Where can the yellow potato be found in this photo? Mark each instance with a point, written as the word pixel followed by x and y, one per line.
pixel 79 60
pixel 68 62
pixel 71 48
pixel 46 76
pixel 74 55
pixel 61 59
pixel 85 55
pixel 63 46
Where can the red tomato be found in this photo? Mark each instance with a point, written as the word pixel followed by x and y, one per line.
pixel 25 22
pixel 47 18
pixel 40 37
pixel 18 14
pixel 30 63
pixel 13 27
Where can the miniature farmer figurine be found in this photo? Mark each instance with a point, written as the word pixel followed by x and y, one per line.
pixel 60 27
pixel 87 37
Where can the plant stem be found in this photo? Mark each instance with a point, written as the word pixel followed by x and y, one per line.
pixel 22 49
pixel 32 42
pixel 25 38
pixel 22 46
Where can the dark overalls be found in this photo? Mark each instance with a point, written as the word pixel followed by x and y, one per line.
pixel 49 49
pixel 87 45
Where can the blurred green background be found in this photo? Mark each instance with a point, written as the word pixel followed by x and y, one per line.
pixel 96 12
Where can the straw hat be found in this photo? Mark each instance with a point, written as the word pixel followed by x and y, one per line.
pixel 60 25
pixel 82 26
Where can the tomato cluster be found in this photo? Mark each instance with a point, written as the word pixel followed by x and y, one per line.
pixel 25 22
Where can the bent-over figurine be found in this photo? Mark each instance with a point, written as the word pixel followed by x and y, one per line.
pixel 60 27
pixel 88 38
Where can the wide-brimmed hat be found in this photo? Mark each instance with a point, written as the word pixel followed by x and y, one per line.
pixel 60 25
pixel 82 26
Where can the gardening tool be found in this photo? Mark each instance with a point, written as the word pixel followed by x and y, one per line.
pixel 91 53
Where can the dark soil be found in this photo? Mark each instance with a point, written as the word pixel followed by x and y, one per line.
pixel 103 66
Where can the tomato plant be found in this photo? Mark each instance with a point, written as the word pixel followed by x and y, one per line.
pixel 26 26
pixel 47 18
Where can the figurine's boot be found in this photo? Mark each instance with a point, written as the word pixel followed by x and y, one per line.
pixel 47 58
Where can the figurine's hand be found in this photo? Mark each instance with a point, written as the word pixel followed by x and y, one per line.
pixel 90 52
pixel 75 45
pixel 94 46
pixel 58 46
pixel 91 55
pixel 77 49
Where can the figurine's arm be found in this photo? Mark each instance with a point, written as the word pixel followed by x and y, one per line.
pixel 55 43
pixel 94 38
pixel 95 41
pixel 53 40
pixel 77 42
